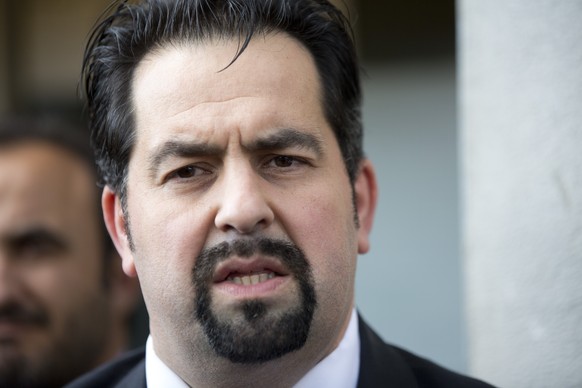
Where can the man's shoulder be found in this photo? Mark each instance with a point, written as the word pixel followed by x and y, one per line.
pixel 429 374
pixel 382 364
pixel 128 370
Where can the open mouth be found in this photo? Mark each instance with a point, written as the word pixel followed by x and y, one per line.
pixel 249 272
pixel 251 279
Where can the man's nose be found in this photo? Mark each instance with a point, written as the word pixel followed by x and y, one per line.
pixel 244 206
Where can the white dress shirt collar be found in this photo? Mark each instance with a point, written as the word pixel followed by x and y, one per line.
pixel 158 374
pixel 340 369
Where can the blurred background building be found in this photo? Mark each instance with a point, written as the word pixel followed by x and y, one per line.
pixel 425 264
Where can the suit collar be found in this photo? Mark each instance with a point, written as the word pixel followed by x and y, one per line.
pixel 380 364
pixel 135 378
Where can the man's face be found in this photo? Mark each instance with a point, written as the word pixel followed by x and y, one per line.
pixel 239 208
pixel 52 301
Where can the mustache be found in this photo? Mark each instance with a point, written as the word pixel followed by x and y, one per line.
pixel 17 313
pixel 289 254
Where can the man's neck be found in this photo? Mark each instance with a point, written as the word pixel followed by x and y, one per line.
pixel 219 372
pixel 207 369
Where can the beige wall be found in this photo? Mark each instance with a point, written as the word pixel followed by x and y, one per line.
pixel 47 40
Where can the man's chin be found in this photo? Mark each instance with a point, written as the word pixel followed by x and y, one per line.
pixel 256 333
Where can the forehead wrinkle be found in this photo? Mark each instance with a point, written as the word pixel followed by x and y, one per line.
pixel 185 112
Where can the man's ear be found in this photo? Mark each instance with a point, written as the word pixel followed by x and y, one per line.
pixel 366 192
pixel 115 222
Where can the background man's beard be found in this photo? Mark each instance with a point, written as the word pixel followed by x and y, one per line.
pixel 64 357
pixel 16 370
pixel 41 370
pixel 259 336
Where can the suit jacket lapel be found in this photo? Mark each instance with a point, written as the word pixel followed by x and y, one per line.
pixel 380 364
pixel 135 378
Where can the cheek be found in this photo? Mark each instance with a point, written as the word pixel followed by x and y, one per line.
pixel 62 288
pixel 324 228
pixel 167 240
pixel 52 286
pixel 329 241
pixel 169 229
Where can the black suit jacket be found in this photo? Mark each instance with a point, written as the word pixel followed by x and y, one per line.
pixel 381 365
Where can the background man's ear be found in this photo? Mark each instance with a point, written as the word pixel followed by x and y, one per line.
pixel 366 191
pixel 115 222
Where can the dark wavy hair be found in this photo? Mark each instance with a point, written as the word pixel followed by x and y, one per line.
pixel 130 29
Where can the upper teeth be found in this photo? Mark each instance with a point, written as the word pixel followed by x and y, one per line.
pixel 251 279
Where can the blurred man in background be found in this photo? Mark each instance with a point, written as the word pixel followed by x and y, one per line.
pixel 65 304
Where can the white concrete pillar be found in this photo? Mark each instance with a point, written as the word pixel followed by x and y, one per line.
pixel 520 104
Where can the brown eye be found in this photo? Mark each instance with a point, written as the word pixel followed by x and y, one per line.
pixel 186 172
pixel 283 161
pixel 190 173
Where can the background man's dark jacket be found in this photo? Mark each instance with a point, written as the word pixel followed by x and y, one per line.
pixel 381 365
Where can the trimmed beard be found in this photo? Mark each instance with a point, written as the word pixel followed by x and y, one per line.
pixel 259 335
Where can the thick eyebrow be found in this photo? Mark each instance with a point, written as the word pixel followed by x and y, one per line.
pixel 180 149
pixel 288 138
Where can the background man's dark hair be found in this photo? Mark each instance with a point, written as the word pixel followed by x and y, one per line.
pixel 132 30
